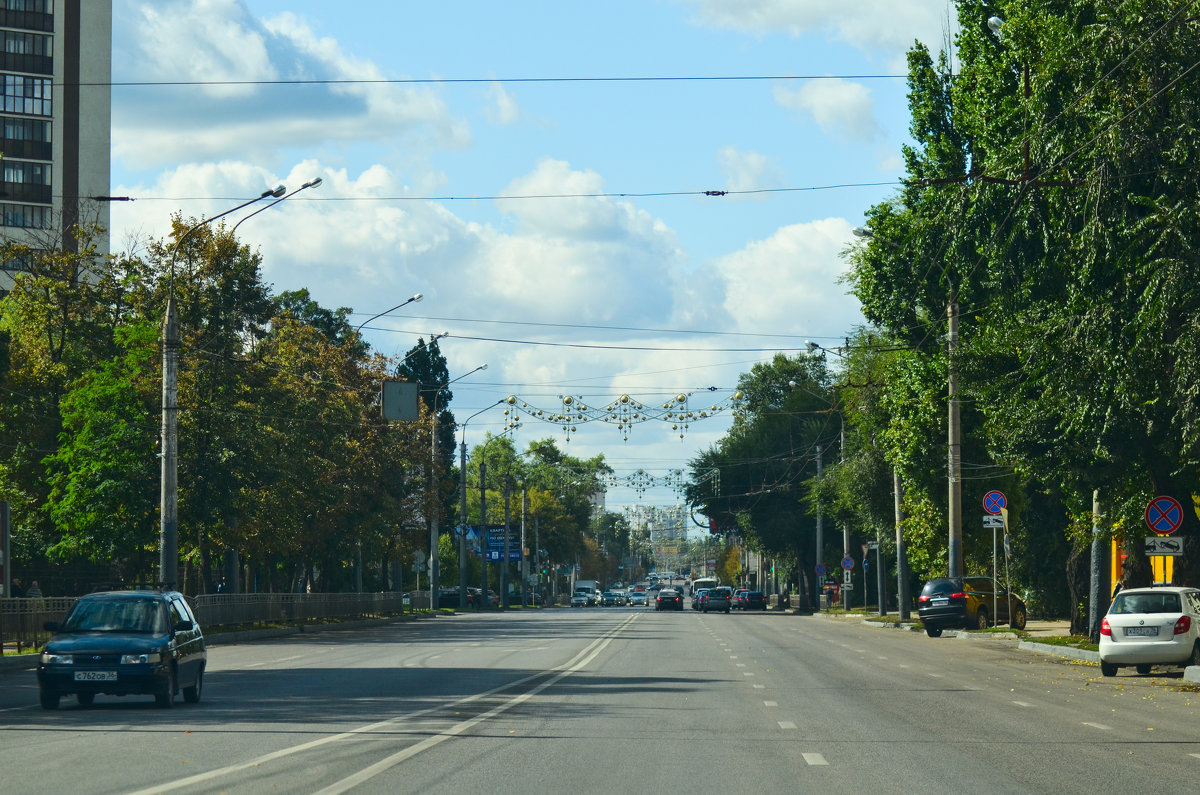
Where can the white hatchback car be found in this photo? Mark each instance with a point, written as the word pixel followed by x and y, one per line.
pixel 1151 626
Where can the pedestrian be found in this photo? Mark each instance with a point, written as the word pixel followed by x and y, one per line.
pixel 1117 590
pixel 17 590
pixel 34 591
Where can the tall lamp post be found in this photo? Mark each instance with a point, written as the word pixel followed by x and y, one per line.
pixel 434 573
pixel 404 303
pixel 168 506
pixel 462 536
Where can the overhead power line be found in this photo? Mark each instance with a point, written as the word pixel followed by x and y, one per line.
pixel 402 81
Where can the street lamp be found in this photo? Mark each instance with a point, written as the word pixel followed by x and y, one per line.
pixel 433 510
pixel 168 506
pixel 462 536
pixel 414 299
pixel 312 183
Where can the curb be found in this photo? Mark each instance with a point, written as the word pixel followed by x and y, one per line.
pixel 1079 655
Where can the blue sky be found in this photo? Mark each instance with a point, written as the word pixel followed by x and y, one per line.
pixel 428 185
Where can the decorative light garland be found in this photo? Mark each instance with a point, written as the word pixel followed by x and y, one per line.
pixel 625 412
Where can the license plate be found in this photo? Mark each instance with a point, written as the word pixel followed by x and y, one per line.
pixel 1143 632
pixel 940 602
pixel 95 676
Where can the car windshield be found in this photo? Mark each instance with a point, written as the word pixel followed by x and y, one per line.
pixel 117 615
pixel 1146 603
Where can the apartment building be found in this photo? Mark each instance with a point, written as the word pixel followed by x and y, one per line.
pixel 56 115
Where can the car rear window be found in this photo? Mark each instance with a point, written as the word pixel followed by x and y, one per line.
pixel 942 585
pixel 1146 603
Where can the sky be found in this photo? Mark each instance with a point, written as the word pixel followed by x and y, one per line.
pixel 537 171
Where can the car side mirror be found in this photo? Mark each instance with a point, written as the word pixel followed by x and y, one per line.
pixel 182 626
pixel 51 626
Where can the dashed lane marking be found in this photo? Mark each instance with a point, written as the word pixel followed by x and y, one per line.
pixel 786 724
pixel 1099 726
pixel 814 759
pixel 776 704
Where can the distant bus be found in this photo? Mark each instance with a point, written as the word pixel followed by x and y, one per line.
pixel 704 582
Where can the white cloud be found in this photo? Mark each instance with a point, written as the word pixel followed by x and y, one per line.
pixel 159 124
pixel 789 282
pixel 502 107
pixel 888 25
pixel 841 108
pixel 747 170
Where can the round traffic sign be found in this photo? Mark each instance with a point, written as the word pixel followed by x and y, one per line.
pixel 847 563
pixel 993 501
pixel 821 569
pixel 1164 515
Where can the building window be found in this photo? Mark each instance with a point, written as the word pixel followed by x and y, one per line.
pixel 28 52
pixel 29 95
pixel 27 14
pixel 21 259
pixel 25 216
pixel 36 6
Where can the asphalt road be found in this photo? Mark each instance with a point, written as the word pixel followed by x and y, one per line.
pixel 619 700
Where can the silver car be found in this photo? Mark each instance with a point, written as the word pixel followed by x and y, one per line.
pixel 1145 627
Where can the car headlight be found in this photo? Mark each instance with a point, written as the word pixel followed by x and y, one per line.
pixel 51 658
pixel 141 659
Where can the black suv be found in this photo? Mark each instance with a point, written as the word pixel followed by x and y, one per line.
pixel 123 643
pixel 970 602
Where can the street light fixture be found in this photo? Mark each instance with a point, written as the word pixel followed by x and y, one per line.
pixel 312 183
pixel 168 507
pixel 414 299
pixel 434 574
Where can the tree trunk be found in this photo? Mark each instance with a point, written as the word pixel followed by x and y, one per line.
pixel 1078 585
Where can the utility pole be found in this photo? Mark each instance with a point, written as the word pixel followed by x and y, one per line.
pixel 955 443
pixel 524 550
pixel 901 551
pixel 507 536
pixel 817 578
pixel 462 533
pixel 1097 601
pixel 485 602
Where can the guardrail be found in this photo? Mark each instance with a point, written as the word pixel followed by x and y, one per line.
pixel 21 620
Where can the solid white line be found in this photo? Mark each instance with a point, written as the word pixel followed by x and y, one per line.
pixel 814 759
pixel 585 656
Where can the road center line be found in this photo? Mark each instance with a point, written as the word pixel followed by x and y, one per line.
pixel 582 658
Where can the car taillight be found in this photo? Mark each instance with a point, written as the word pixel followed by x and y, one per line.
pixel 958 595
pixel 1183 625
pixel 922 598
pixel 1105 629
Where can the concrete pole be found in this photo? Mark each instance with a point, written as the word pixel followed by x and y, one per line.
pixel 168 504
pixel 483 535
pixel 819 558
pixel 524 550
pixel 955 445
pixel 901 550
pixel 462 536
pixel 434 574
pixel 507 535
pixel 1099 590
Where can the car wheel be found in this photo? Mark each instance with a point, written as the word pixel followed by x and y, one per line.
pixel 192 694
pixel 85 699
pixel 727 611
pixel 981 619
pixel 1018 619
pixel 1107 669
pixel 933 630
pixel 1143 669
pixel 166 700
pixel 48 698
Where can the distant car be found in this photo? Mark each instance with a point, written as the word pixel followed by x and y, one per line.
pixel 967 602
pixel 123 643
pixel 668 599
pixel 1145 627
pixel 637 599
pixel 719 599
pixel 754 600
pixel 610 599
pixel 698 598
pixel 739 595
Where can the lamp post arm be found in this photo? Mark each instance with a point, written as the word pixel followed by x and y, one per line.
pixel 416 297
pixel 312 183
pixel 276 192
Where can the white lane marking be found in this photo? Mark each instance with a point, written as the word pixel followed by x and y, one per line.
pixel 770 703
pixel 786 724
pixel 903 665
pixel 814 759
pixel 747 673
pixel 1195 755
pixel 1099 726
pixel 740 665
pixel 760 687
pixel 1023 704
pixel 881 658
pixel 861 651
pixel 935 676
pixel 733 656
pixel 576 663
